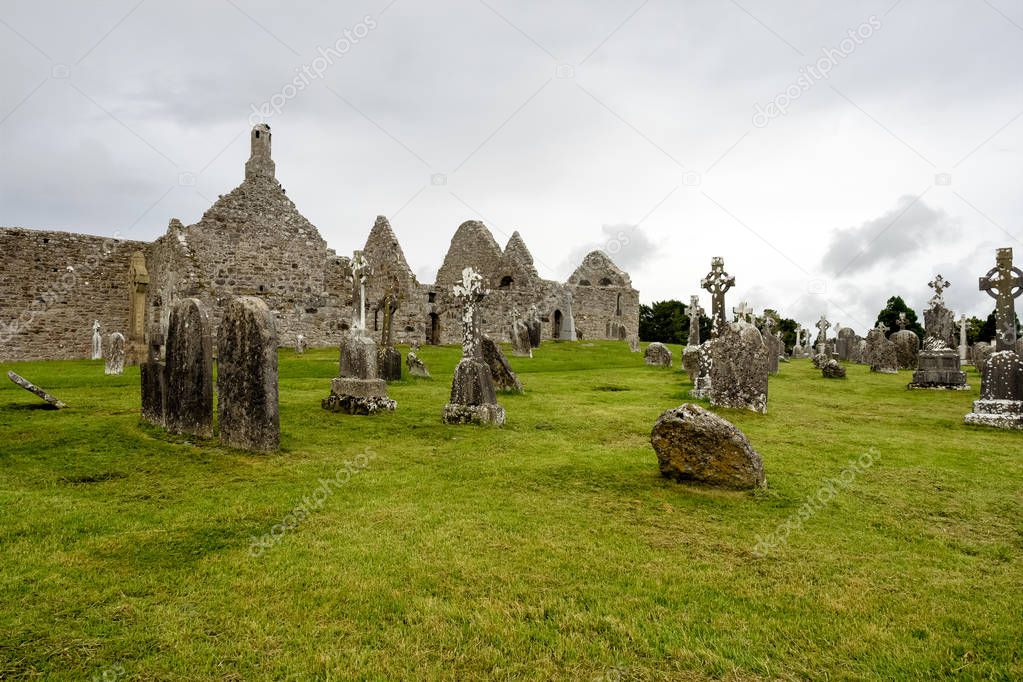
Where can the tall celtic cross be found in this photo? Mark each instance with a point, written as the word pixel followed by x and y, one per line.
pixel 822 330
pixel 1004 283
pixel 717 282
pixel 470 291
pixel 881 327
pixel 744 313
pixel 902 321
pixel 799 336
pixel 939 284
pixel 360 271
pixel 695 311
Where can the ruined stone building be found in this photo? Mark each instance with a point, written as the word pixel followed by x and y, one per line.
pixel 253 241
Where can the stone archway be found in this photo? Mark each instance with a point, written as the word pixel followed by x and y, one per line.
pixel 556 326
pixel 433 329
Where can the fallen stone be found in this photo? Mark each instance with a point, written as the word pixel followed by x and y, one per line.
pixel 832 369
pixel 694 444
pixel 32 388
pixel 505 378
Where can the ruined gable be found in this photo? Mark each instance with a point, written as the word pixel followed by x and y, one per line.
pixel 599 270
pixel 516 269
pixel 472 246
pixel 387 259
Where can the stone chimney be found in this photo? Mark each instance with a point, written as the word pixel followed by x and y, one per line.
pixel 260 165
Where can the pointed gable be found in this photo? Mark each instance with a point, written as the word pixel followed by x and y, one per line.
pixel 599 270
pixel 516 269
pixel 472 246
pixel 383 252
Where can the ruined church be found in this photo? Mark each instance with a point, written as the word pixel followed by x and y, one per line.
pixel 253 241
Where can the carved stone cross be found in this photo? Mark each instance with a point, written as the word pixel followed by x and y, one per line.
pixel 470 291
pixel 939 284
pixel 881 327
pixel 360 272
pixel 822 330
pixel 902 321
pixel 695 312
pixel 1004 283
pixel 717 282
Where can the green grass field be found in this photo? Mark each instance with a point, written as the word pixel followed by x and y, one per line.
pixel 547 549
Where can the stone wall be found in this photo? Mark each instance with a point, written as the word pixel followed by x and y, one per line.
pixel 53 285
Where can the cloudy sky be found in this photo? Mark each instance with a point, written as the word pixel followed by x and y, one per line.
pixel 833 153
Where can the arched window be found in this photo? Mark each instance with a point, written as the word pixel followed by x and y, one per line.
pixel 618 306
pixel 606 282
pixel 584 282
pixel 506 282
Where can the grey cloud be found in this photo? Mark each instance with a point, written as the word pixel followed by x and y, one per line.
pixel 910 226
pixel 627 245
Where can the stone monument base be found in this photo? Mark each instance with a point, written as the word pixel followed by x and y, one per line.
pixel 473 398
pixel 358 396
pixel 473 414
pixel 939 369
pixel 1002 414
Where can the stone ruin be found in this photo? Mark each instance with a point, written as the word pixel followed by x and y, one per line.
pixel 253 241
pixel 358 388
pixel 880 352
pixel 938 365
pixel 505 379
pixel 739 368
pixel 473 397
pixel 1001 387
pixel 657 354
pixel 115 355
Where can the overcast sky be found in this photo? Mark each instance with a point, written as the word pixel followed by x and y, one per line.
pixel 653 130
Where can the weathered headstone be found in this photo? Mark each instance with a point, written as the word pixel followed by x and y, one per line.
pixel 717 282
pixel 738 369
pixel 1001 388
pixel 692 354
pixel 964 348
pixel 845 343
pixel 521 346
pixel 980 353
pixel 907 348
pixel 115 354
pixel 358 388
pixel 388 357
pixel 153 379
pixel 880 352
pixel 247 396
pixel 938 366
pixel 505 378
pixel 773 350
pixel 633 344
pixel 859 351
pixel 568 331
pixel 415 365
pixel 189 371
pixel 694 444
pixel 657 354
pixel 32 388
pixel 473 397
pixel 97 341
pixel 832 369
pixel 535 326
pixel 300 344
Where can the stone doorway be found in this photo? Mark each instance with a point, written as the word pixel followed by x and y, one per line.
pixel 556 330
pixel 433 329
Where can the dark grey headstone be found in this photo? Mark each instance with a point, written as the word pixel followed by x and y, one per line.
pixel 189 373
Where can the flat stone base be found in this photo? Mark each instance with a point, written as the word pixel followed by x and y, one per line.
pixel 955 384
pixel 358 396
pixel 939 369
pixel 1001 414
pixel 701 388
pixel 473 414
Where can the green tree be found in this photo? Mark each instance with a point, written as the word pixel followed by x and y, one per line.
pixel 890 316
pixel 786 326
pixel 668 322
pixel 990 327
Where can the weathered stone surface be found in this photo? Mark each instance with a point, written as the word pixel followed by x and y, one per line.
pixel 693 444
pixel 115 351
pixel 859 351
pixel 247 396
pixel 300 344
pixel 358 355
pixel 845 343
pixel 189 372
pixel 97 341
pixel 389 363
pixel 907 348
pixel 1004 283
pixel 738 370
pixel 657 354
pixel 775 346
pixel 691 361
pixel 32 388
pixel 832 369
pixel 153 378
pixel 473 395
pixel 415 365
pixel 939 369
pixel 717 282
pixel 634 344
pixel 358 389
pixel 980 353
pixel 1001 393
pixel 505 378
pixel 880 352
pixel 521 346
pixel 535 327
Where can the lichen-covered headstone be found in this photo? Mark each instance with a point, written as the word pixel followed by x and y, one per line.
pixel 35 390
pixel 473 396
pixel 938 365
pixel 521 345
pixel 657 354
pixel 189 371
pixel 247 405
pixel 535 327
pixel 832 369
pixel 415 365
pixel 505 378
pixel 880 352
pixel 694 444
pixel 114 360
pixel 388 357
pixel 774 346
pixel 97 341
pixel 979 354
pixel 907 348
pixel 739 368
pixel 153 379
pixel 633 343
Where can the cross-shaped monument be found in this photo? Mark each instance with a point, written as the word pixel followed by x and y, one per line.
pixel 939 284
pixel 902 322
pixel 360 272
pixel 717 282
pixel 1004 283
pixel 881 327
pixel 695 312
pixel 470 291
pixel 822 330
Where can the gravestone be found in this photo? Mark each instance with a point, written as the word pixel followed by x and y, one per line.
pixel 832 369
pixel 416 367
pixel 845 343
pixel 358 388
pixel 568 332
pixel 820 345
pixel 115 355
pixel 717 282
pixel 979 355
pixel 97 341
pixel 505 378
pixel 153 376
pixel 907 348
pixel 535 326
pixel 473 397
pixel 657 354
pixel 247 396
pixel 772 341
pixel 1001 387
pixel 633 344
pixel 738 368
pixel 388 357
pixel 188 408
pixel 300 344
pixel 521 345
pixel 938 365
pixel 964 348
pixel 692 353
pixel 859 351
pixel 694 444
pixel 879 352
pixel 35 390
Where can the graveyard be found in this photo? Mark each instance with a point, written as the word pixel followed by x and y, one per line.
pixel 885 544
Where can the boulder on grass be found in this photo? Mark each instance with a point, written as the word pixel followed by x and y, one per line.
pixel 832 369
pixel 657 354
pixel 694 444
